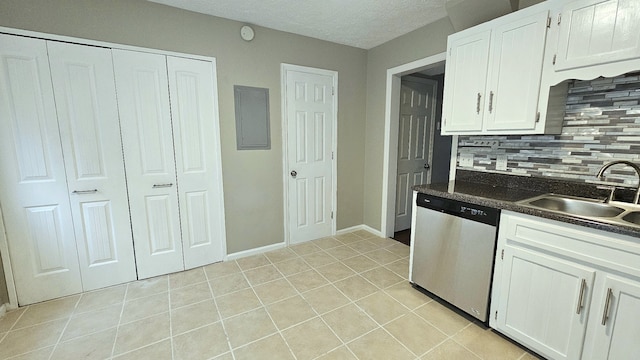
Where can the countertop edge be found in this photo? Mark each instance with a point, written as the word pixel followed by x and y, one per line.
pixel 515 207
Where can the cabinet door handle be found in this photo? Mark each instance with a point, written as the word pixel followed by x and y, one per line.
pixel 478 104
pixel 490 102
pixel 82 192
pixel 156 186
pixel 583 287
pixel 607 303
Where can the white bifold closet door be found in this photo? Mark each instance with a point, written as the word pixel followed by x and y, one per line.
pixel 198 162
pixel 62 175
pixel 143 98
pixel 33 187
pixel 167 109
pixel 84 90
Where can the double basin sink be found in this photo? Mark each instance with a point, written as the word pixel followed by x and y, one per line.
pixel 613 212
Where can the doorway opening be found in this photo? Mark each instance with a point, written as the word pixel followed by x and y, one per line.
pixel 415 152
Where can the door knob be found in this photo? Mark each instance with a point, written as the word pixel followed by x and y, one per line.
pixel 294 173
pixel 427 166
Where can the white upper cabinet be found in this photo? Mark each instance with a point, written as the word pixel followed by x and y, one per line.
pixel 465 82
pixel 593 32
pixel 493 75
pixel 511 93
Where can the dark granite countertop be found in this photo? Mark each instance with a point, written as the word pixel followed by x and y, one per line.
pixel 505 191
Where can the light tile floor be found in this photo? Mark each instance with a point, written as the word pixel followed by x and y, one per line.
pixel 343 297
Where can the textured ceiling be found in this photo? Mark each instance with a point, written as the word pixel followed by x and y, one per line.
pixel 360 23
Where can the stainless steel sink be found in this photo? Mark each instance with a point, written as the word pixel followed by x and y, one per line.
pixel 613 212
pixel 577 207
pixel 632 217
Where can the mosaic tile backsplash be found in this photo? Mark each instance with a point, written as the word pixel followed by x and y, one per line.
pixel 601 124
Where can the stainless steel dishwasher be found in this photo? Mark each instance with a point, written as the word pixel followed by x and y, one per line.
pixel 454 251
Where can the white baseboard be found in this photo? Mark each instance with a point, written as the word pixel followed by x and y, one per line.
pixel 256 251
pixel 360 227
pixel 264 249
pixel 3 310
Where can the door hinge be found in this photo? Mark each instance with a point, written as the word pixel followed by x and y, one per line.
pixel 549 22
pixel 538 117
pixel 554 59
pixel 450 51
pixel 502 255
pixel 332 215
pixel 559 18
pixel 333 90
pixel 332 155
pixel 496 315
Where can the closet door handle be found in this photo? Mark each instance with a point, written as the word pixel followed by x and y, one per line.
pixel 157 186
pixel 478 103
pixel 83 192
pixel 607 304
pixel 581 297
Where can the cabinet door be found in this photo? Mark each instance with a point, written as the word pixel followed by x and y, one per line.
pixel 544 302
pixel 465 80
pixel 143 101
pixel 515 71
pixel 33 194
pixel 85 96
pixel 617 305
pixel 194 113
pixel 598 31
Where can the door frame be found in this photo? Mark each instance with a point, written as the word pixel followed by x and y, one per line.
pixel 391 122
pixel 284 67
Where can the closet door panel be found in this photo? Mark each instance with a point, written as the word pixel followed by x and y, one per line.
pixel 194 116
pixel 90 131
pixel 143 99
pixel 34 197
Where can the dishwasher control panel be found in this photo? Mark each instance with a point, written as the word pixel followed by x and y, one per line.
pixel 462 209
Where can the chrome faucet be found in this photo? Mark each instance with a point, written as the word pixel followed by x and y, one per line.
pixel 628 163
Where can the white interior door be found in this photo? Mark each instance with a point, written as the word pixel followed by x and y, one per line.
pixel 310 115
pixel 196 137
pixel 417 111
pixel 33 189
pixel 87 110
pixel 143 100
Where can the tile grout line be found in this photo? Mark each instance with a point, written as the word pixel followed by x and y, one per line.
pixel 55 346
pixel 266 310
pixel 115 340
pixel 173 350
pixel 215 303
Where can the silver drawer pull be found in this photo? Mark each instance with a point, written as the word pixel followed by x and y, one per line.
pixel 156 186
pixel 607 303
pixel 581 297
pixel 81 192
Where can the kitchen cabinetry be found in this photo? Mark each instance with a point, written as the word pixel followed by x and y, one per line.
pixel 487 90
pixel 566 292
pixel 593 32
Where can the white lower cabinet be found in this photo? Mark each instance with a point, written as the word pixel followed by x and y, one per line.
pixel 565 291
pixel 69 194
